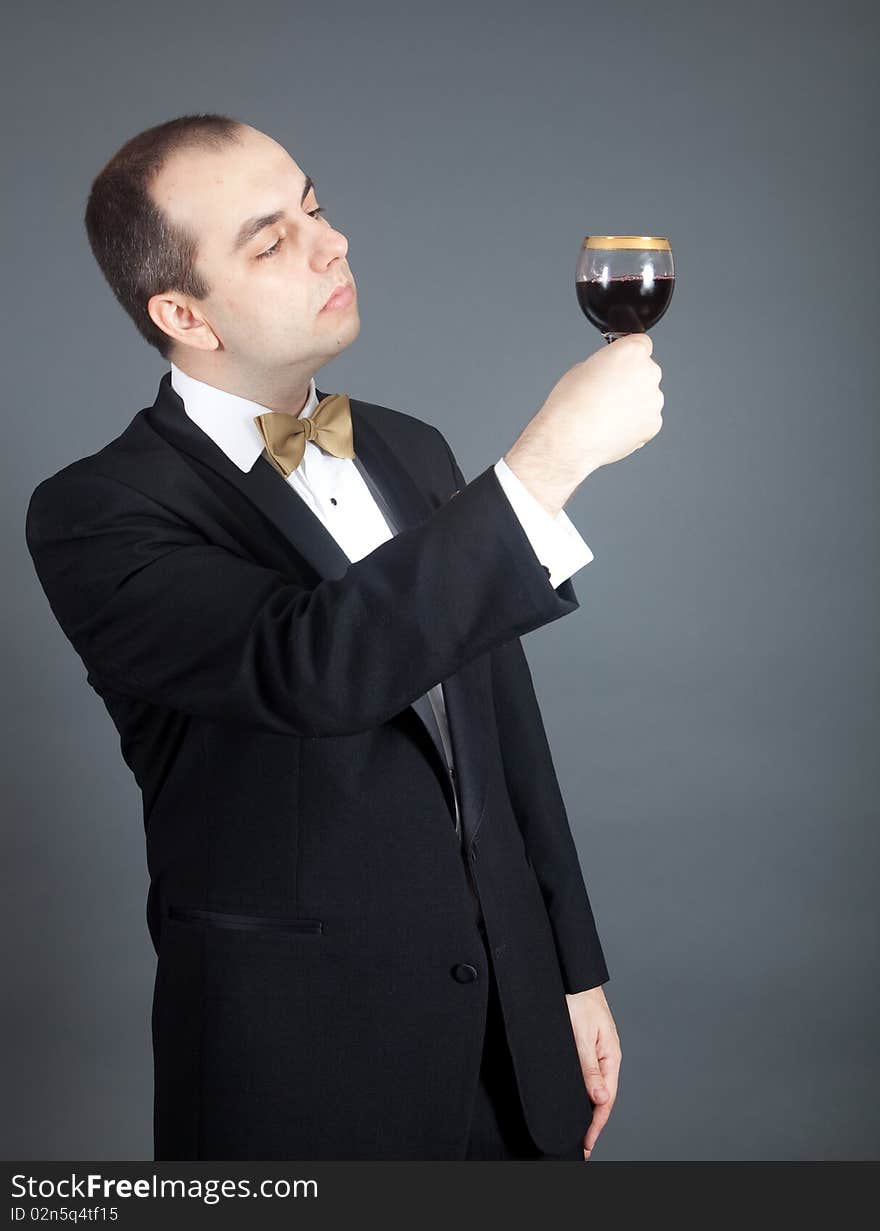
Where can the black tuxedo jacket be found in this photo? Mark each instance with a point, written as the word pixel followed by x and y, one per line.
pixel 321 982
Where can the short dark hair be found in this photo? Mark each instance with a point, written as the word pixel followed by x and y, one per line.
pixel 140 251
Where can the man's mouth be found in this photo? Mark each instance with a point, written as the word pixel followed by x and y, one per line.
pixel 341 297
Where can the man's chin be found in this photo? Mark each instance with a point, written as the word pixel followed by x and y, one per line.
pixel 343 327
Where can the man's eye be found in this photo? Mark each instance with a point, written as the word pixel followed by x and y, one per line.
pixel 313 213
pixel 271 251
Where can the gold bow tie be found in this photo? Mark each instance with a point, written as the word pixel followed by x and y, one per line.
pixel 328 426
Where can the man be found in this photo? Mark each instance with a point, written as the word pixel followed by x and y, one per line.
pixel 373 935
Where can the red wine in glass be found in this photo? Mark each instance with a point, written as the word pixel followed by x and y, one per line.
pixel 624 282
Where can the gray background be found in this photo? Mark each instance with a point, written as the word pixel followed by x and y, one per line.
pixel 712 705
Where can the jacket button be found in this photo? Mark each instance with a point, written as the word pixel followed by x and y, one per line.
pixel 464 973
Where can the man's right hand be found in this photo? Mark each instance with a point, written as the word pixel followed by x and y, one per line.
pixel 599 411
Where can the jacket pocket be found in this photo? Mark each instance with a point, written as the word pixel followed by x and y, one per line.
pixel 245 922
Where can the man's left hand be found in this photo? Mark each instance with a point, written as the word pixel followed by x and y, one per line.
pixel 599 1052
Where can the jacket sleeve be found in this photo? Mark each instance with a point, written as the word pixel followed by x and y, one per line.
pixel 539 808
pixel 540 812
pixel 158 612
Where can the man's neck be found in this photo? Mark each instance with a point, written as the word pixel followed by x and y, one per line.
pixel 289 395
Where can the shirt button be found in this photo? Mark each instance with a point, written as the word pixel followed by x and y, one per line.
pixel 332 499
pixel 463 972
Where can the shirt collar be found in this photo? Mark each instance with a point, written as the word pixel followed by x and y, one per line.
pixel 227 418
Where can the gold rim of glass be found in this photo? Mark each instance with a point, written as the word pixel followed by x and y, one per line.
pixel 658 243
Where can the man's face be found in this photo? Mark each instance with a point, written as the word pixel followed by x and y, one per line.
pixel 264 314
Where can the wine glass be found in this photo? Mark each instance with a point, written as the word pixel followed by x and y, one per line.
pixel 624 282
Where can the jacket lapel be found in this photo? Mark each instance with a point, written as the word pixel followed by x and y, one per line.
pixel 467 689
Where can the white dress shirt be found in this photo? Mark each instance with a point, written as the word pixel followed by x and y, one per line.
pixel 335 491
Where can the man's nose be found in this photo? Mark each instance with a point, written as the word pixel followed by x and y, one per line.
pixel 334 243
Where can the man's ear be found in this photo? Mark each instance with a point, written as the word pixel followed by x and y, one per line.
pixel 171 313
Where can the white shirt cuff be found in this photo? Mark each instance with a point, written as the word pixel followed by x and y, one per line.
pixel 556 542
